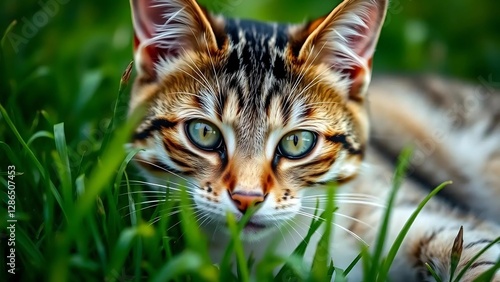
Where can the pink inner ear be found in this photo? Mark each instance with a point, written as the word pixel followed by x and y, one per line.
pixel 161 29
pixel 357 75
pixel 364 44
pixel 356 26
pixel 346 38
pixel 164 29
pixel 349 36
pixel 148 15
pixel 149 55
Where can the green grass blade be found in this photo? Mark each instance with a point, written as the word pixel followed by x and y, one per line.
pixel 300 250
pixel 433 273
pixel 238 248
pixel 322 254
pixel 334 270
pixel 296 268
pixel 80 185
pixel 123 166
pixel 384 270
pixel 21 140
pixel 401 168
pixel 7 31
pixel 80 263
pixel 352 264
pixel 40 134
pixel 99 179
pixel 195 239
pixel 340 275
pixel 134 220
pixel 225 265
pixel 456 252
pixel 98 242
pixel 63 167
pixel 10 154
pixel 185 263
pixel 489 274
pixel 36 162
pixel 112 158
pixel 133 212
pixel 476 257
pixel 28 247
pixel 122 249
pixel 121 88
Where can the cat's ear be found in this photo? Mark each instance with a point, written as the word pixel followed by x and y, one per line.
pixel 165 29
pixel 345 40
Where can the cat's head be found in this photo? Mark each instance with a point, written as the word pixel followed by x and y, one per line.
pixel 252 113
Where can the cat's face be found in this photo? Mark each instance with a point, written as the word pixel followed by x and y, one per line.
pixel 247 113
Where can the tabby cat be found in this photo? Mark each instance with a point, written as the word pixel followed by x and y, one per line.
pixel 265 114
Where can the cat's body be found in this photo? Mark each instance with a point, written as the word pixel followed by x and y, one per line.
pixel 266 114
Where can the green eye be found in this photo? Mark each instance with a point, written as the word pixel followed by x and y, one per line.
pixel 205 135
pixel 297 144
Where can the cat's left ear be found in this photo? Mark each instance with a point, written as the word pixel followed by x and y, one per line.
pixel 167 29
pixel 345 40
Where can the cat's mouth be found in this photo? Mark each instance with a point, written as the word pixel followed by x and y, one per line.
pixel 253 226
pixel 253 231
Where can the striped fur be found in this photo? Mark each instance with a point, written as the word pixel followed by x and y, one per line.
pixel 256 82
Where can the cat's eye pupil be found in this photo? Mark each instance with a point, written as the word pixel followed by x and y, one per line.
pixel 203 134
pixel 297 144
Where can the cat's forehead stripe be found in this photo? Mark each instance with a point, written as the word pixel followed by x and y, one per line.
pixel 257 32
pixel 257 47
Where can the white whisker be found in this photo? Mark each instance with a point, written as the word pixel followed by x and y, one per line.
pixel 168 171
pixel 160 186
pixel 153 205
pixel 354 235
pixel 342 215
pixel 215 231
pixel 338 195
pixel 157 202
pixel 158 218
pixel 351 201
pixel 183 93
pixel 300 235
pixel 157 184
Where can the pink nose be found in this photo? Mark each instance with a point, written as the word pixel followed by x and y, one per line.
pixel 243 200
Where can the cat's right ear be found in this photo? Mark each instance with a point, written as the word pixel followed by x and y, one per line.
pixel 345 41
pixel 165 29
